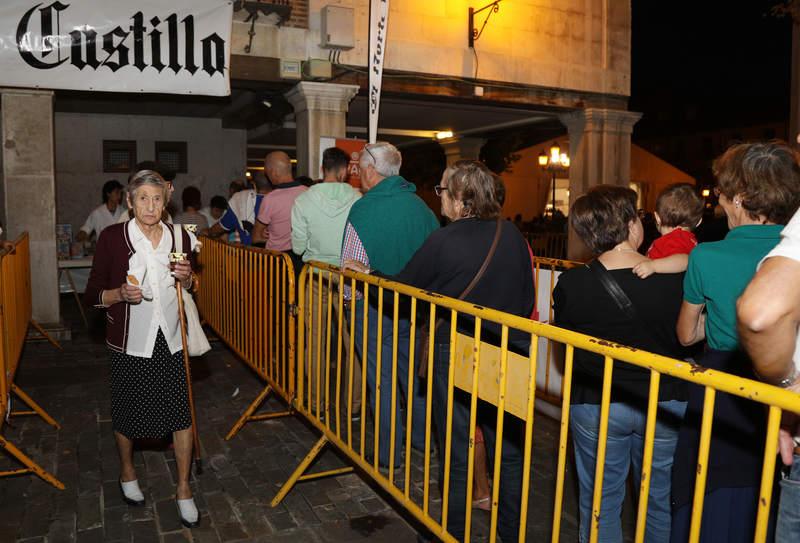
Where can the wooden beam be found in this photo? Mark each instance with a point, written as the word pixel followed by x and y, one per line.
pixel 251 68
pixel 495 93
pixel 254 69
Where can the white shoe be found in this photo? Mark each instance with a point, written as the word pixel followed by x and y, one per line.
pixel 188 513
pixel 131 493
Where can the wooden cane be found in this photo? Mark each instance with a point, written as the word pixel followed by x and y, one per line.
pixel 195 439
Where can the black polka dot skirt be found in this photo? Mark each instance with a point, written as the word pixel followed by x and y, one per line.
pixel 149 397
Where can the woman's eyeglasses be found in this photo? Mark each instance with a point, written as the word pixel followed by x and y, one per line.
pixel 438 189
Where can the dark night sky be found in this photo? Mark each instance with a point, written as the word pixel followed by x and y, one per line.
pixel 708 64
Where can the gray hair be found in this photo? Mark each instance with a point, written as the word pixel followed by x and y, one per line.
pixel 146 177
pixel 384 156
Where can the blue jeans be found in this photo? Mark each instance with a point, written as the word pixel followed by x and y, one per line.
pixel 625 447
pixel 386 390
pixel 788 527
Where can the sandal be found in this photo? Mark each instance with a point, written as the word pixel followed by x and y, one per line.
pixel 484 504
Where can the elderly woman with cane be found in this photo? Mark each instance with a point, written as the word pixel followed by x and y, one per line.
pixel 134 281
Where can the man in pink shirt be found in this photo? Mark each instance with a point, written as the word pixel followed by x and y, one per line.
pixel 276 208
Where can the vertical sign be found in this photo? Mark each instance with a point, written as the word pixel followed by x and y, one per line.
pixel 378 21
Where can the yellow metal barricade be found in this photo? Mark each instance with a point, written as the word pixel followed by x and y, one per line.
pixel 15 316
pixel 486 370
pixel 548 244
pixel 549 379
pixel 247 296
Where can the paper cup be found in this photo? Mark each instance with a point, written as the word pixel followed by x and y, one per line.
pixel 136 277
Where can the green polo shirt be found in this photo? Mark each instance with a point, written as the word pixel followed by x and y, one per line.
pixel 718 273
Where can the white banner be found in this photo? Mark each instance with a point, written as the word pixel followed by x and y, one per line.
pixel 177 47
pixel 378 24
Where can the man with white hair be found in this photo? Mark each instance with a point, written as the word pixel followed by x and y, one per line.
pixel 384 229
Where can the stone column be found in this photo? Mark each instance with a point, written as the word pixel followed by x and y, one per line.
pixel 26 123
pixel 600 154
pixel 456 149
pixel 320 110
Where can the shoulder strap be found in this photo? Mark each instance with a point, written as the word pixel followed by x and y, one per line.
pixel 614 290
pixel 177 240
pixel 489 255
pixel 178 233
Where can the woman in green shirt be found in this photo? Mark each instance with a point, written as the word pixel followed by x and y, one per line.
pixel 759 190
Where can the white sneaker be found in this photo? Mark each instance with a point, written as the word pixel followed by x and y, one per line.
pixel 131 493
pixel 188 513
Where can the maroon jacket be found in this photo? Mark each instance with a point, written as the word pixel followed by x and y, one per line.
pixel 109 271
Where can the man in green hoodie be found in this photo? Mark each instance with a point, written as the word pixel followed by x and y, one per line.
pixel 318 219
pixel 384 229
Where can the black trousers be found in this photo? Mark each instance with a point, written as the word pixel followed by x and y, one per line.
pixel 511 468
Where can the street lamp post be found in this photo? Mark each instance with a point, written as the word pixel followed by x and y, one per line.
pixel 555 162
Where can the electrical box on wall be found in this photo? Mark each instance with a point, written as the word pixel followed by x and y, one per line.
pixel 291 69
pixel 337 28
pixel 317 69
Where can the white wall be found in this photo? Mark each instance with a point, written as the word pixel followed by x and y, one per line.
pixel 215 156
pixel 572 44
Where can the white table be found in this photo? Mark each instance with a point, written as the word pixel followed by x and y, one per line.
pixel 67 267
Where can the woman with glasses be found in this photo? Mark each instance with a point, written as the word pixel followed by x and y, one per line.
pixel 447 263
pixel 759 190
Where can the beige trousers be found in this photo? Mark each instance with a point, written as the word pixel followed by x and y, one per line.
pixel 321 356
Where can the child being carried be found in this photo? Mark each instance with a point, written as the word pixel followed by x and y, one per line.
pixel 679 210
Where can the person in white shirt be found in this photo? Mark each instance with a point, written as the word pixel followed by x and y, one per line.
pixel 133 281
pixel 215 210
pixel 106 214
pixel 769 317
pixel 240 217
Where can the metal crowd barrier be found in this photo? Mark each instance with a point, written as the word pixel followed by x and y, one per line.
pixel 15 316
pixel 248 298
pixel 490 374
pixel 548 244
pixel 549 377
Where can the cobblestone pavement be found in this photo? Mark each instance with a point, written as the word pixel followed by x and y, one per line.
pixel 240 477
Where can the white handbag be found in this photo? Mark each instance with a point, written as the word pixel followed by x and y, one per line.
pixel 196 342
